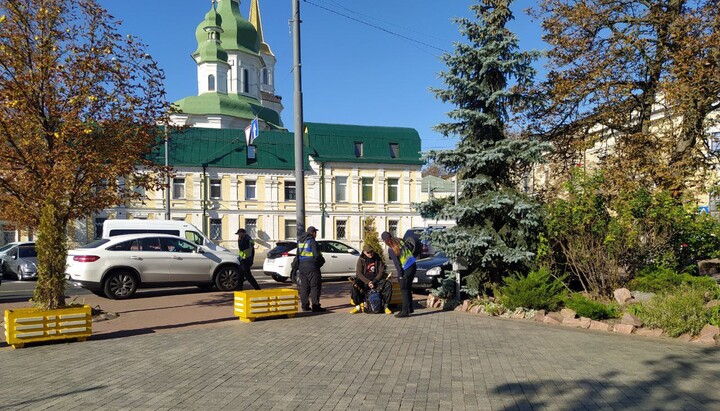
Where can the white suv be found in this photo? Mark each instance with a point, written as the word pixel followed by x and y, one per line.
pixel 116 267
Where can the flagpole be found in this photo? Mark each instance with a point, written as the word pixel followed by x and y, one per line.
pixel 298 108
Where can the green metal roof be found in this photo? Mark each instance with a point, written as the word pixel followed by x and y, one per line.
pixel 437 185
pixel 226 148
pixel 336 142
pixel 234 105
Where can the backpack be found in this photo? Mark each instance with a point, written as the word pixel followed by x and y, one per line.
pixel 412 244
pixel 374 302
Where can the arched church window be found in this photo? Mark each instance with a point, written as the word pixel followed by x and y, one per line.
pixel 211 83
pixel 246 80
pixel 265 79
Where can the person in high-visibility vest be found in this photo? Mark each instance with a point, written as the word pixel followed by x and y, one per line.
pixel 246 255
pixel 309 279
pixel 405 266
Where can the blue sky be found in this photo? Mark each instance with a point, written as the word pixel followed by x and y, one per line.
pixel 353 73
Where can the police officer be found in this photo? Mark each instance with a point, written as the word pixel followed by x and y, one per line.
pixel 246 255
pixel 405 266
pixel 310 260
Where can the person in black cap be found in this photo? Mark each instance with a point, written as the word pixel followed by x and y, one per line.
pixel 405 266
pixel 246 255
pixel 310 260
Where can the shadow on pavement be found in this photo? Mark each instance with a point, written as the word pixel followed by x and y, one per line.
pixel 151 330
pixel 664 385
pixel 49 397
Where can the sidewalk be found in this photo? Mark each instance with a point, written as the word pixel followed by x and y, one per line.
pixel 187 360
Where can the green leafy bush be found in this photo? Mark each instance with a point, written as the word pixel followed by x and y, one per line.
pixel 714 316
pixel 446 289
pixel 585 307
pixel 678 311
pixel 660 279
pixel 539 290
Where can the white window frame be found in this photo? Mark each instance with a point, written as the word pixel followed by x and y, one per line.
pixel 397 190
pixel 216 184
pixel 362 189
pixel 248 185
pixel 178 188
pixel 341 189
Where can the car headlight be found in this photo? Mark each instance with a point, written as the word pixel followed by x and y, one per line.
pixel 434 271
pixel 28 267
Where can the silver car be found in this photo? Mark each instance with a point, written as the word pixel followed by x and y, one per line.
pixel 20 261
pixel 116 267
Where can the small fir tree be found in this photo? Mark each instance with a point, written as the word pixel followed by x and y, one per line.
pixel 487 80
pixel 371 235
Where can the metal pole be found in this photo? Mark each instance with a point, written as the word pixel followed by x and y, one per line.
pixel 167 176
pixel 299 129
pixel 456 189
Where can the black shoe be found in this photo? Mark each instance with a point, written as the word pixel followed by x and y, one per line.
pixel 318 309
pixel 304 308
pixel 402 315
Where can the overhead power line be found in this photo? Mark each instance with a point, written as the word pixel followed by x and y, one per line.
pixel 410 39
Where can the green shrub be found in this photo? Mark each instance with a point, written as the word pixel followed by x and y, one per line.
pixel 714 316
pixel 585 307
pixel 539 290
pixel 678 311
pixel 446 289
pixel 660 279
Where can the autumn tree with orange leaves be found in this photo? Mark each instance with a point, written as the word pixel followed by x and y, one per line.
pixel 643 78
pixel 79 107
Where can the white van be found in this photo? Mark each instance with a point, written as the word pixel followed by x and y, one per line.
pixel 185 230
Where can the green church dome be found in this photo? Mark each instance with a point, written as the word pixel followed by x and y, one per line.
pixel 209 51
pixel 238 33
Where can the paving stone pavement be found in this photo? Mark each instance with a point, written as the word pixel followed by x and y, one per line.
pixel 432 361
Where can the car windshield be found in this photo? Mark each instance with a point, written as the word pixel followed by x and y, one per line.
pixel 96 243
pixel 283 247
pixel 26 252
pixel 6 247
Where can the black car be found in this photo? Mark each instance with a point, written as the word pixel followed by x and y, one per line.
pixel 431 270
pixel 420 234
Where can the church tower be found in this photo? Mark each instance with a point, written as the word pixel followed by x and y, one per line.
pixel 235 72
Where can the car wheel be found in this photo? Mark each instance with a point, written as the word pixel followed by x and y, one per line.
pixel 280 278
pixel 19 275
pixel 120 285
pixel 228 278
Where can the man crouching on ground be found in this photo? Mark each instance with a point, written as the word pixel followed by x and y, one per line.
pixel 370 275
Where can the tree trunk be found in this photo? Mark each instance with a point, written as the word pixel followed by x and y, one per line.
pixel 52 250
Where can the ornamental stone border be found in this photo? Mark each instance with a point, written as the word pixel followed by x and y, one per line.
pixel 628 324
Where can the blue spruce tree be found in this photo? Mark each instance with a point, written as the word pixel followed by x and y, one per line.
pixel 487 79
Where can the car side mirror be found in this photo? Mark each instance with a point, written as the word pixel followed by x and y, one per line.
pixel 199 250
pixel 354 251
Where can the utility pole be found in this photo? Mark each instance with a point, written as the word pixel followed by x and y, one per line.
pixel 299 129
pixel 167 175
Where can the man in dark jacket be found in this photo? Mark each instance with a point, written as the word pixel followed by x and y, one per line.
pixel 370 274
pixel 246 255
pixel 310 260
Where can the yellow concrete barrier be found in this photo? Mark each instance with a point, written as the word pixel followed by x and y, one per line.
pixel 26 325
pixel 253 304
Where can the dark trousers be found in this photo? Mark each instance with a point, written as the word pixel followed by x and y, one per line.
pixel 309 285
pixel 246 274
pixel 360 290
pixel 406 289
